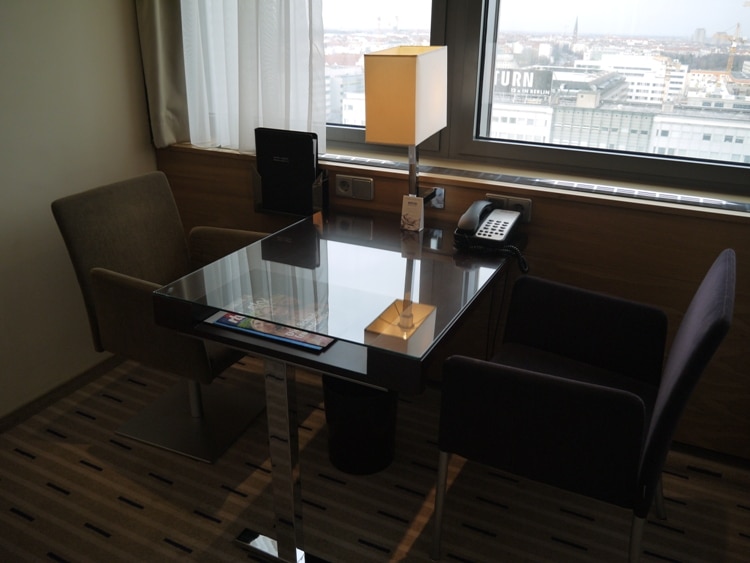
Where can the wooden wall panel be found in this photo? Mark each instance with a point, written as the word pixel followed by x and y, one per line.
pixel 215 188
pixel 645 251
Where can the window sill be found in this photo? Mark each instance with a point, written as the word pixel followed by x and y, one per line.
pixel 385 158
pixel 565 183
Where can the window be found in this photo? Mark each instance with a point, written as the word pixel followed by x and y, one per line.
pixel 353 29
pixel 566 71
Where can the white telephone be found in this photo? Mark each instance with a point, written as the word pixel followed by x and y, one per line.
pixel 484 228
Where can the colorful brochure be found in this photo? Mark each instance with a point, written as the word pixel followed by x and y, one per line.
pixel 273 331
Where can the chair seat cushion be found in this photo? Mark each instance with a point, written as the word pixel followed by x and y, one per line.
pixel 541 361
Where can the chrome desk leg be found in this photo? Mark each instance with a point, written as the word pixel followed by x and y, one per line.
pixel 281 407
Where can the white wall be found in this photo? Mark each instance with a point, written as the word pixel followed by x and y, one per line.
pixel 72 116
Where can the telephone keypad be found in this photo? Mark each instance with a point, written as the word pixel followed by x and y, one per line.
pixel 497 225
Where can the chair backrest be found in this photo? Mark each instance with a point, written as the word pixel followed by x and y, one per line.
pixel 132 227
pixel 704 326
pixel 622 336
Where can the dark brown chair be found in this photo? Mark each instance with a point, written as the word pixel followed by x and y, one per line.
pixel 577 397
pixel 126 240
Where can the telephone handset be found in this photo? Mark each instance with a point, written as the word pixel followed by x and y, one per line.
pixel 484 227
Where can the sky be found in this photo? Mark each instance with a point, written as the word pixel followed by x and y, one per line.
pixel 679 18
pixel 363 14
pixel 626 17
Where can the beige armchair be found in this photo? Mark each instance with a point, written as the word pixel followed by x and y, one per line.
pixel 125 240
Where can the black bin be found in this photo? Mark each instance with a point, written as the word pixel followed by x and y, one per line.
pixel 361 426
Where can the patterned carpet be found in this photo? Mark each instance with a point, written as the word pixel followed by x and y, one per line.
pixel 72 490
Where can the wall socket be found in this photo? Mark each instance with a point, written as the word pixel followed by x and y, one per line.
pixel 354 187
pixel 436 197
pixel 513 203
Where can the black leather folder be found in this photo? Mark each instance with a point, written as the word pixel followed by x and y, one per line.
pixel 288 166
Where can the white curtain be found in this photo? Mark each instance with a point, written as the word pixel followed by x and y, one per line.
pixel 253 63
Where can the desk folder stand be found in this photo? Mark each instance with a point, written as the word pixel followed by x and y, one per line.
pixel 291 181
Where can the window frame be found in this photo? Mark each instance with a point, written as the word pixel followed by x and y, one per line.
pixel 459 25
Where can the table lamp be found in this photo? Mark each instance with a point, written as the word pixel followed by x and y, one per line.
pixel 406 98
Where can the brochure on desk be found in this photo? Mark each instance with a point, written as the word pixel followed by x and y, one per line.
pixel 273 331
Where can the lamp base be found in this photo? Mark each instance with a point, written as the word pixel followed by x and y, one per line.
pixel 389 331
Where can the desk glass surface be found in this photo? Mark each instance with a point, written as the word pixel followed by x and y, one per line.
pixel 386 296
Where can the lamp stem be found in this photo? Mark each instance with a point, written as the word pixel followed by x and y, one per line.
pixel 413 170
pixel 406 320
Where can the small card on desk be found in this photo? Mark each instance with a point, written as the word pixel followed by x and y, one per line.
pixel 412 213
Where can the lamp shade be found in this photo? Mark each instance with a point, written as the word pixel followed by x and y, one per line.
pixel 406 94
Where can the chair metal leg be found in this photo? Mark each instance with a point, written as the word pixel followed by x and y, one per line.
pixel 440 489
pixel 661 511
pixel 636 535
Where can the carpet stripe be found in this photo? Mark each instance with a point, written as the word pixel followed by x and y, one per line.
pixel 107 498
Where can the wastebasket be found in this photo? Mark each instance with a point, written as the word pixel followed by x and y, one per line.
pixel 361 425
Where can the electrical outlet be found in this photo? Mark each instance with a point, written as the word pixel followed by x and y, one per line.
pixel 354 187
pixel 512 203
pixel 522 205
pixel 434 198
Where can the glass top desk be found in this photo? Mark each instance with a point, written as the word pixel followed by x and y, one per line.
pixel 387 298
